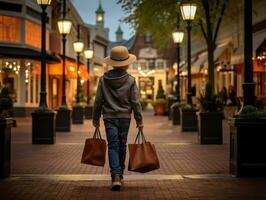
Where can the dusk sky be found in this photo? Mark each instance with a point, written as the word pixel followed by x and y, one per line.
pixel 113 12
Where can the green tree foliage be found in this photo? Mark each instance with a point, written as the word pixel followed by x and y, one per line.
pixel 160 18
pixel 160 92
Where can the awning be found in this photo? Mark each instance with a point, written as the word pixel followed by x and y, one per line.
pixel 219 50
pixel 184 66
pixel 197 65
pixel 71 69
pixel 238 56
pixel 26 53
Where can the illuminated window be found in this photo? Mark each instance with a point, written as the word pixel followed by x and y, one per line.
pixel 33 34
pixel 9 29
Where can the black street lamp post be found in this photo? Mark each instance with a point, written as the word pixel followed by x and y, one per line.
pixel 64 26
pixel 63 117
pixel 88 109
pixel 189 117
pixel 77 114
pixel 248 85
pixel 188 11
pixel 178 39
pixel 247 157
pixel 43 119
pixel 78 48
pixel 43 94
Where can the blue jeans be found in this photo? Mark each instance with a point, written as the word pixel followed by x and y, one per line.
pixel 116 131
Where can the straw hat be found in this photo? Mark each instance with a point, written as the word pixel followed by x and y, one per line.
pixel 119 57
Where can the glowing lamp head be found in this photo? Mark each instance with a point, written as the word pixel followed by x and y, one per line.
pixel 64 26
pixel 88 53
pixel 44 2
pixel 188 11
pixel 78 46
pixel 178 37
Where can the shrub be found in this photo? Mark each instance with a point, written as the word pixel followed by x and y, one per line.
pixel 159 101
pixel 209 101
pixel 249 111
pixel 6 104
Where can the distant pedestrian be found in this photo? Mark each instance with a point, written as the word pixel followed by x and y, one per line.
pixel 232 96
pixel 117 95
pixel 223 94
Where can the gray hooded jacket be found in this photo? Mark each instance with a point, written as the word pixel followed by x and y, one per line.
pixel 117 95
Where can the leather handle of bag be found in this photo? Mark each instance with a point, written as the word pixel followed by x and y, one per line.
pixel 139 136
pixel 97 133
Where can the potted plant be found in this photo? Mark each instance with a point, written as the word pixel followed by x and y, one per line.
pixel 247 142
pixel 63 119
pixel 189 120
pixel 160 103
pixel 77 114
pixel 210 117
pixel 88 110
pixel 78 110
pixel 159 106
pixel 6 122
pixel 175 111
pixel 43 126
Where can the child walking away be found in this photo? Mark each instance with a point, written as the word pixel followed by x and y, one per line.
pixel 116 97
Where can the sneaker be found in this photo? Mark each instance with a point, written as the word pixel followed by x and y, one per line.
pixel 116 183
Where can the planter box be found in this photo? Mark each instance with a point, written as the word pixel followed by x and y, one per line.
pixel 189 120
pixel 211 128
pixel 159 110
pixel 88 112
pixel 63 120
pixel 176 116
pixel 5 146
pixel 43 128
pixel 77 115
pixel 247 147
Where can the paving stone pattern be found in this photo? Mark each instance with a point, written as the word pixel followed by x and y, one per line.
pixel 188 170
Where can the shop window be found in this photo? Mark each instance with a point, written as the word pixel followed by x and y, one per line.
pixel 160 65
pixel 33 34
pixel 9 29
pixel 143 65
pixel 151 65
pixel 9 77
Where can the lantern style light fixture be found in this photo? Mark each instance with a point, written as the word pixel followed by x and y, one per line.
pixel 64 26
pixel 88 53
pixel 188 10
pixel 178 36
pixel 78 46
pixel 44 2
pixel 89 56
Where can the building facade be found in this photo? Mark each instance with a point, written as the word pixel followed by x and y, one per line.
pixel 229 52
pixel 152 65
pixel 20 43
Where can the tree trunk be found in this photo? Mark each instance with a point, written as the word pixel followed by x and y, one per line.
pixel 211 47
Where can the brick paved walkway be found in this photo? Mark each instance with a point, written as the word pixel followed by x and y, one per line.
pixel 188 170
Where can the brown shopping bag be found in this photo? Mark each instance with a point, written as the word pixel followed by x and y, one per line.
pixel 94 150
pixel 142 156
